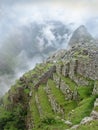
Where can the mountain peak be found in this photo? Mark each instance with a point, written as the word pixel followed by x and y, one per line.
pixel 81 35
pixel 82 29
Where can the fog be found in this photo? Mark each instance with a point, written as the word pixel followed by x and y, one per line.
pixel 31 31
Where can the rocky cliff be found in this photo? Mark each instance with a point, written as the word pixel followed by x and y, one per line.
pixel 59 94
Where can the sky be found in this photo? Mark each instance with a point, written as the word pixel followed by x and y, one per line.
pixel 21 12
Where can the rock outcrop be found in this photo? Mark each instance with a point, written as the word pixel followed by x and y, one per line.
pixel 81 36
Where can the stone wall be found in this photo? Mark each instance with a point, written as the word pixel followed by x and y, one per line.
pixel 79 70
pixel 94 113
pixel 38 105
pixel 65 69
pixel 95 90
pixel 73 68
pixel 44 78
pixel 59 68
pixel 57 80
pixel 89 67
pixel 80 81
pixel 55 106
pixel 66 90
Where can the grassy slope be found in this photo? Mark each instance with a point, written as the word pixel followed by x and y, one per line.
pixel 44 102
pixel 84 109
pixel 67 105
pixel 93 125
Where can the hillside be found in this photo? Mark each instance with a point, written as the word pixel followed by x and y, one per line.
pixel 58 94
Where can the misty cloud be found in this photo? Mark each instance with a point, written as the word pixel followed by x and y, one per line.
pixel 31 30
pixel 28 45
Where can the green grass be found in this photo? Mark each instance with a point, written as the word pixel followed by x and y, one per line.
pixel 59 126
pixel 48 113
pixel 93 125
pixel 79 54
pixel 84 91
pixel 41 68
pixel 5 99
pixel 4 113
pixel 38 70
pixel 72 85
pixel 67 105
pixel 26 91
pixel 74 111
pixel 59 96
pixel 84 109
pixel 34 110
pixel 56 126
pixel 91 82
pixel 51 124
pixel 96 108
pixel 44 102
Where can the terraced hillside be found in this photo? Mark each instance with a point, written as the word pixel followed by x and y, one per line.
pixel 59 94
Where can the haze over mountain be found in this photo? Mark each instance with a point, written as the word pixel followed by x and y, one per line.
pixel 29 45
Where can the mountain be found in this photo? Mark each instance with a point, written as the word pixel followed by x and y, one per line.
pixel 81 35
pixel 60 93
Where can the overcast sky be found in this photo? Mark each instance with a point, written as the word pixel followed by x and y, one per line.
pixel 15 13
pixel 72 8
